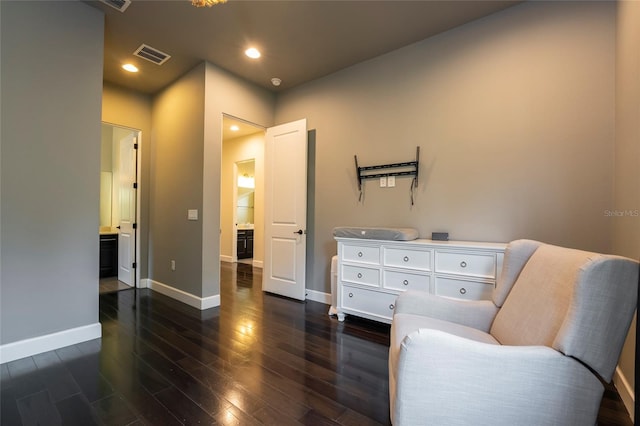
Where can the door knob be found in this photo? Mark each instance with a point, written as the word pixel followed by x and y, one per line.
pixel 299 232
pixel 118 226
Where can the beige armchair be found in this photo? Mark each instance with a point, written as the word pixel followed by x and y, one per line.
pixel 534 355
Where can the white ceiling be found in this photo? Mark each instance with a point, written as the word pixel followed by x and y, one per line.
pixel 300 40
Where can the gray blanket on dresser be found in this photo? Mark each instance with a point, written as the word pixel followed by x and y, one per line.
pixel 376 233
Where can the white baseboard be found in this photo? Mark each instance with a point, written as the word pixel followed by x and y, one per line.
pixel 318 296
pixel 184 297
pixel 325 298
pixel 49 342
pixel 144 283
pixel 625 391
pixel 230 259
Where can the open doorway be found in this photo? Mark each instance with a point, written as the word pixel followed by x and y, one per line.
pixel 244 213
pixel 242 192
pixel 119 245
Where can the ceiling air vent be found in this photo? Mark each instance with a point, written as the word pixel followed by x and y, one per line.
pixel 121 5
pixel 151 54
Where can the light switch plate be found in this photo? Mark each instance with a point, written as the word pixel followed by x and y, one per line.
pixel 383 182
pixel 192 214
pixel 391 181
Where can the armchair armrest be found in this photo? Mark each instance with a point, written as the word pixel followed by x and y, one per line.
pixel 478 314
pixel 445 379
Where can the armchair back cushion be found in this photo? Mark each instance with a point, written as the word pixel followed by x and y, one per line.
pixel 516 256
pixel 574 301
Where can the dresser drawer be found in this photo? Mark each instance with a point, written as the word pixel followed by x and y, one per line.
pixel 463 289
pixel 362 254
pixel 402 281
pixel 473 264
pixel 407 258
pixel 361 275
pixel 368 302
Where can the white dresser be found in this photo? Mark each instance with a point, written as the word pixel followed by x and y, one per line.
pixel 371 273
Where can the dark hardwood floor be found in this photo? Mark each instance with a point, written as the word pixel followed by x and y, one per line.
pixel 257 359
pixel 110 284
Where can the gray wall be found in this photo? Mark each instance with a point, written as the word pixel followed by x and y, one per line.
pixel 626 235
pixel 225 94
pixel 50 166
pixel 185 173
pixel 176 183
pixel 514 114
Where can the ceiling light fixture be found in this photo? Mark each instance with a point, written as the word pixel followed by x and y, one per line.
pixel 276 81
pixel 234 128
pixel 252 52
pixel 130 68
pixel 206 3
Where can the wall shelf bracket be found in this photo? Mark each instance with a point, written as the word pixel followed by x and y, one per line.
pixel 409 168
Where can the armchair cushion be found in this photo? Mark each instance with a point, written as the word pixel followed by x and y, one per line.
pixel 540 297
pixel 477 313
pixel 515 257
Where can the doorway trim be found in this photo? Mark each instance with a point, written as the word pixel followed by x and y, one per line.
pixel 139 187
pixel 234 217
pixel 233 257
pixel 235 198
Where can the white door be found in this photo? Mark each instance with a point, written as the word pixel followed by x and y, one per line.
pixel 285 210
pixel 127 209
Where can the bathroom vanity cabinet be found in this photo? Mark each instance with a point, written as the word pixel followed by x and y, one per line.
pixel 108 255
pixel 245 243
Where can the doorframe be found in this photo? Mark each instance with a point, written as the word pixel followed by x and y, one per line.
pixel 234 216
pixel 234 223
pixel 234 236
pixel 138 136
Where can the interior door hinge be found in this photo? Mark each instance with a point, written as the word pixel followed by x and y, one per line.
pixel 135 226
pixel 135 185
pixel 134 265
pixel 135 146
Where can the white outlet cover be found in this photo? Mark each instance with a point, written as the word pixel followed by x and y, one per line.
pixel 192 214
pixel 391 181
pixel 383 182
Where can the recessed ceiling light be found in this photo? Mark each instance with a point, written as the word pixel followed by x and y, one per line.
pixel 234 128
pixel 130 68
pixel 252 52
pixel 276 81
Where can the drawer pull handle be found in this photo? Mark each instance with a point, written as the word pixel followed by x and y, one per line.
pixel 463 290
pixel 359 275
pixel 350 294
pixel 463 264
pixel 359 254
pixel 405 282
pixel 406 258
pixel 391 306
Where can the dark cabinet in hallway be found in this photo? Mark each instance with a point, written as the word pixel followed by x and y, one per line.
pixel 108 255
pixel 245 243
